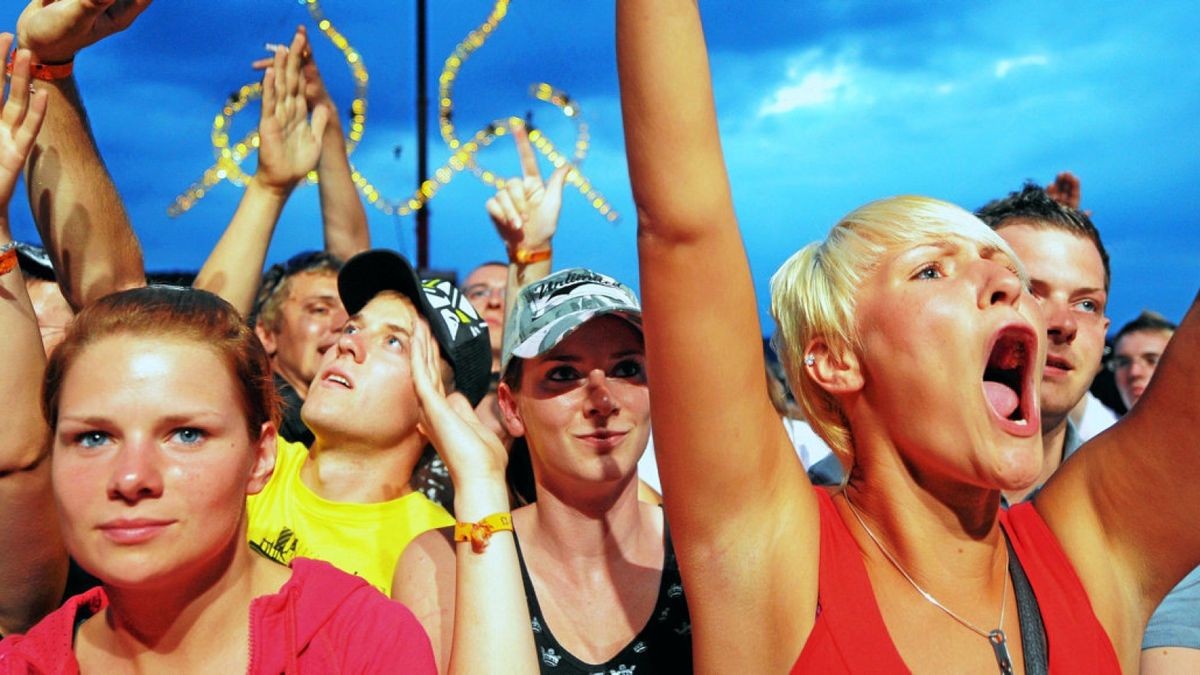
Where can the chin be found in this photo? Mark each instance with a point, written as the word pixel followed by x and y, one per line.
pixel 1019 466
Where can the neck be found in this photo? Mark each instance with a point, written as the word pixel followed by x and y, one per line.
pixel 941 532
pixel 360 472
pixel 1054 440
pixel 584 527
pixel 192 617
pixel 298 383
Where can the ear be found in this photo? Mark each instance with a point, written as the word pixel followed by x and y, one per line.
pixel 264 460
pixel 267 338
pixel 509 411
pixel 835 372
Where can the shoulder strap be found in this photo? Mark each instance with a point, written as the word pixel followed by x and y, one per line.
pixel 1033 631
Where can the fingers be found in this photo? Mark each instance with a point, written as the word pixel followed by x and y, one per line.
pixel 268 92
pixel 518 190
pixel 558 179
pixel 320 119
pixel 18 92
pixel 529 162
pixel 504 213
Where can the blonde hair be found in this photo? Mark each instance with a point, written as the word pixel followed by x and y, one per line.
pixel 813 293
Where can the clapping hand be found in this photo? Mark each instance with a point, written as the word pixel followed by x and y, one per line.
pixel 289 144
pixel 54 30
pixel 20 119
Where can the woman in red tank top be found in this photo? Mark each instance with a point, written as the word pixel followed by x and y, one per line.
pixel 916 349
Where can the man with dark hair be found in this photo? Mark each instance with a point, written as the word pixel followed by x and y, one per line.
pixel 1136 350
pixel 348 499
pixel 1069 276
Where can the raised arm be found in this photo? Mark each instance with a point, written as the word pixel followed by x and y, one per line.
pixel 289 146
pixel 480 588
pixel 1126 507
pixel 78 213
pixel 525 213
pixel 33 565
pixel 740 506
pixel 342 212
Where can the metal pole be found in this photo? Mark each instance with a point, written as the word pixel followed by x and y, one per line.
pixel 422 140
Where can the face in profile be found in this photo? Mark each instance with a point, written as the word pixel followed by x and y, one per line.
pixel 309 320
pixel 584 406
pixel 948 362
pixel 1066 277
pixel 153 461
pixel 1135 357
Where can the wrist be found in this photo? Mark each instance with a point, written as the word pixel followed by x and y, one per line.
pixel 476 499
pixel 40 70
pixel 523 255
pixel 271 186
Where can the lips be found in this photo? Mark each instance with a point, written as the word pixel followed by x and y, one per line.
pixel 603 439
pixel 336 378
pixel 1007 380
pixel 1057 366
pixel 130 531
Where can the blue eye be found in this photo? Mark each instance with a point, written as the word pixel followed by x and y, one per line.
pixel 930 271
pixel 349 329
pixel 1089 306
pixel 92 439
pixel 188 435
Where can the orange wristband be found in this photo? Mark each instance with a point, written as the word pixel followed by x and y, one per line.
pixel 46 72
pixel 524 257
pixel 480 534
pixel 8 258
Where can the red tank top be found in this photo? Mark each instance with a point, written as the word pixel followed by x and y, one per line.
pixel 849 635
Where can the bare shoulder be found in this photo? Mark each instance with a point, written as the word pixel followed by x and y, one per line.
pixel 427 559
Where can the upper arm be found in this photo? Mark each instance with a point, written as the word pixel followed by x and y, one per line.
pixel 737 498
pixel 425 582
pixel 1124 507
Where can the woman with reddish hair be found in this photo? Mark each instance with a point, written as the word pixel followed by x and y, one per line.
pixel 162 416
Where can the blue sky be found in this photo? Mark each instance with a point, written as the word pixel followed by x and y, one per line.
pixel 824 105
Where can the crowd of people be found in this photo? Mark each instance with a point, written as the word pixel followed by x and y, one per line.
pixel 341 465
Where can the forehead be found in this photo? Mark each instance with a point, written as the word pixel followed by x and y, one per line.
pixel 599 337
pixel 492 275
pixel 305 285
pixel 388 308
pixel 1052 253
pixel 1143 341
pixel 169 363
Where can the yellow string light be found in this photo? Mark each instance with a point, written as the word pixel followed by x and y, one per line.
pixel 229 157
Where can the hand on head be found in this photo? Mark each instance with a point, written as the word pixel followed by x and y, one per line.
pixel 464 443
pixel 55 30
pixel 20 119
pixel 289 143
pixel 525 211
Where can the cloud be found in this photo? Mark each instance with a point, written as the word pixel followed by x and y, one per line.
pixel 1005 66
pixel 815 88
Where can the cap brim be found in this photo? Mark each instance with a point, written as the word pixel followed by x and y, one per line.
pixel 367 274
pixel 551 336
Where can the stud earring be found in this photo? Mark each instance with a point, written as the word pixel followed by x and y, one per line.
pixel 810 360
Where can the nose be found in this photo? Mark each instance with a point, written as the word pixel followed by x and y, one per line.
pixel 136 474
pixel 1139 369
pixel 1060 321
pixel 495 298
pixel 600 402
pixel 350 343
pixel 1000 286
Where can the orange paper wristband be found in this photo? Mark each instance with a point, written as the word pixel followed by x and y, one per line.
pixel 479 534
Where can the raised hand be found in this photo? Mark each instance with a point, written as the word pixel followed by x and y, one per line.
pixel 315 93
pixel 471 451
pixel 20 119
pixel 525 212
pixel 1065 189
pixel 54 30
pixel 289 144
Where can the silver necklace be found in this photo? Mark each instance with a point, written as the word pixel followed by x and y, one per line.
pixel 995 638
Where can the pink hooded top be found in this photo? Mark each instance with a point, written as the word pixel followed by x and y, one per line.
pixel 321 621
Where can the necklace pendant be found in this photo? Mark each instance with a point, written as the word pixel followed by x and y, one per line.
pixel 1000 646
